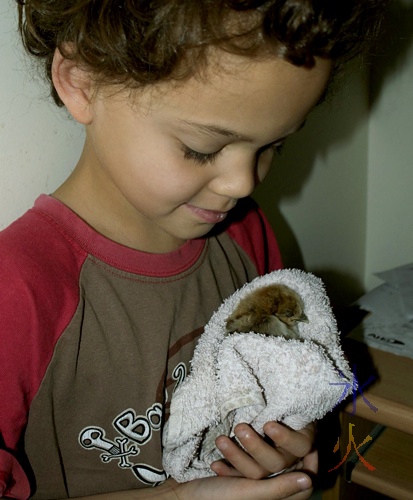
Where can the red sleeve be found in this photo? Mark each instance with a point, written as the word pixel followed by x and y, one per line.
pixel 252 231
pixel 13 480
pixel 38 297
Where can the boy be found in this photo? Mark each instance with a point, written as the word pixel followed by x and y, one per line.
pixel 108 282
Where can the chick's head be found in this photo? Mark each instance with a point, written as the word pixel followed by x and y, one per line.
pixel 285 304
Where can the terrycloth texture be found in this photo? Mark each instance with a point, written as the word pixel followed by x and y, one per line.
pixel 254 378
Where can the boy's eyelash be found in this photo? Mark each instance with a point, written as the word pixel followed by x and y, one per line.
pixel 197 157
pixel 204 158
pixel 276 147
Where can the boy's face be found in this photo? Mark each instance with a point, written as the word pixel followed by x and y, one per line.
pixel 168 165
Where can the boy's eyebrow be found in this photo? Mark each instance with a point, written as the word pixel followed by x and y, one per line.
pixel 216 130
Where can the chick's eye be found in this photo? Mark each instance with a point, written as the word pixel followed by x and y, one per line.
pixel 197 157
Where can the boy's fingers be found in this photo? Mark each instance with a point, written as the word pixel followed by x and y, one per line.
pixel 256 459
pixel 241 460
pixel 269 457
pixel 224 470
pixel 297 443
pixel 310 462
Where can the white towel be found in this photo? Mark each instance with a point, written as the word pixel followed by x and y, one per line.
pixel 254 378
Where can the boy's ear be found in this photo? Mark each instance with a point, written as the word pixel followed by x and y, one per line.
pixel 74 87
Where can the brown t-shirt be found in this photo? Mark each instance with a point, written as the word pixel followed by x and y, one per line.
pixel 95 337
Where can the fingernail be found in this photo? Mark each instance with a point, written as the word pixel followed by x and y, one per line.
pixel 221 444
pixel 241 433
pixel 304 483
pixel 215 467
pixel 272 430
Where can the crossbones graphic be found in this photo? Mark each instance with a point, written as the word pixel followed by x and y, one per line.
pixel 94 437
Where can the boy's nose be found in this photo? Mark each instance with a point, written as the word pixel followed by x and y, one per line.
pixel 235 181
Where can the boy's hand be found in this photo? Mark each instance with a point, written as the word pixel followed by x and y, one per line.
pixel 260 458
pixel 284 448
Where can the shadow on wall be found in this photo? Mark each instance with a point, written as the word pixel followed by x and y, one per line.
pixel 341 296
pixel 329 125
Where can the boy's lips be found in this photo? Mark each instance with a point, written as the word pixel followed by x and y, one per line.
pixel 208 216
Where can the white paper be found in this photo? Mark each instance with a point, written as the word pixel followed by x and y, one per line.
pixel 389 327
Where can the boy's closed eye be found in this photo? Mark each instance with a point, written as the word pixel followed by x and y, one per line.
pixel 273 147
pixel 198 157
pixel 204 158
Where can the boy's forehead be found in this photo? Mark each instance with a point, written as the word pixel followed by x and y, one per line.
pixel 236 76
pixel 237 87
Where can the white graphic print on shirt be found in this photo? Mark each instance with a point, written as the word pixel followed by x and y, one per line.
pixel 135 431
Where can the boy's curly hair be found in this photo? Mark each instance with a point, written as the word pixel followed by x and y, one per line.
pixel 139 42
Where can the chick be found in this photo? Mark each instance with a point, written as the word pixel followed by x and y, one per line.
pixel 273 310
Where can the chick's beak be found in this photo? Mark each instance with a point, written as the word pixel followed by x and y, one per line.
pixel 303 318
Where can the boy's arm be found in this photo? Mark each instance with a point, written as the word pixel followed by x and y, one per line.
pixel 293 485
pixel 32 302
pixel 13 480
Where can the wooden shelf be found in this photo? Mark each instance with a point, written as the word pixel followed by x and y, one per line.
pixel 391 393
pixel 392 455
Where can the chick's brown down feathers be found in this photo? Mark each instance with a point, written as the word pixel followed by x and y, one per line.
pixel 273 310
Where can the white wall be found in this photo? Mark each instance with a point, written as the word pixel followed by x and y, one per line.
pixel 390 163
pixel 38 143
